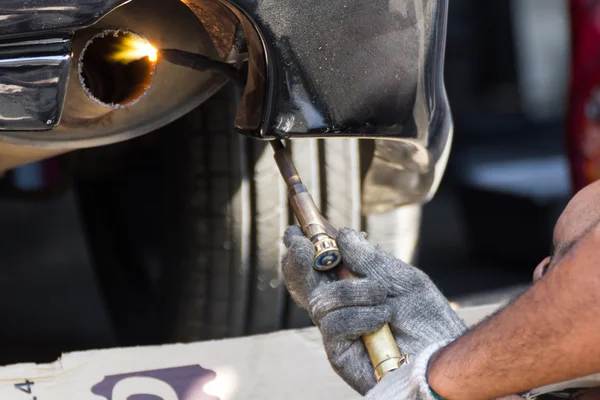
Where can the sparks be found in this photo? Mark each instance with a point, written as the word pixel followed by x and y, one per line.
pixel 131 47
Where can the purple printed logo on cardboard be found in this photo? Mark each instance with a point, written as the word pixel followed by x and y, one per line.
pixel 180 383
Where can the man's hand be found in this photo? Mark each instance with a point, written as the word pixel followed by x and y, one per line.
pixel 386 290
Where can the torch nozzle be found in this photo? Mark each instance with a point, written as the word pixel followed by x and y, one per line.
pixel 200 62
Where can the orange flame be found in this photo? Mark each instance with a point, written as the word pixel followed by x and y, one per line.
pixel 131 48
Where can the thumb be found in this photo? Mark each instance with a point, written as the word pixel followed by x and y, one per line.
pixel 362 257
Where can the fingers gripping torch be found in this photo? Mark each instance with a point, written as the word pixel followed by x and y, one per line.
pixel 381 346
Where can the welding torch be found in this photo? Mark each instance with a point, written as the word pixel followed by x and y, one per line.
pixel 200 62
pixel 381 346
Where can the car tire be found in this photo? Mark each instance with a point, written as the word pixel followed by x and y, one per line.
pixel 206 217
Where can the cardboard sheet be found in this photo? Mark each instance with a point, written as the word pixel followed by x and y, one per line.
pixel 286 365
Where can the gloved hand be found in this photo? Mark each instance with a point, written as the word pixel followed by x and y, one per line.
pixel 386 290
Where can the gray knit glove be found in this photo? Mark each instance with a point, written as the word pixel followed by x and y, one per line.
pixel 386 290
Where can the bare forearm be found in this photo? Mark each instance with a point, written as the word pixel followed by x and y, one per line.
pixel 549 335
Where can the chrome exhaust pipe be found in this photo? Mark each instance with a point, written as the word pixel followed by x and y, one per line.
pixel 99 84
pixel 110 82
pixel 107 101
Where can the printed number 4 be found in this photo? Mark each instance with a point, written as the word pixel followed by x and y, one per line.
pixel 25 387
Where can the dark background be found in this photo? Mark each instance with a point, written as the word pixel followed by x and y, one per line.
pixel 482 236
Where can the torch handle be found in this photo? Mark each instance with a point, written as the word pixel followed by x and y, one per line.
pixel 381 345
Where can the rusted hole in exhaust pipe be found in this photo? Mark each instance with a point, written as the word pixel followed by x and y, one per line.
pixel 112 82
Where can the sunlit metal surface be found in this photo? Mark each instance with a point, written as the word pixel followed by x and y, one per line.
pixel 33 81
pixel 312 73
pixel 174 91
pixel 18 17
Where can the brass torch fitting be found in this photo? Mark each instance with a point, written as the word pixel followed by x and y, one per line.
pixel 327 253
pixel 314 226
